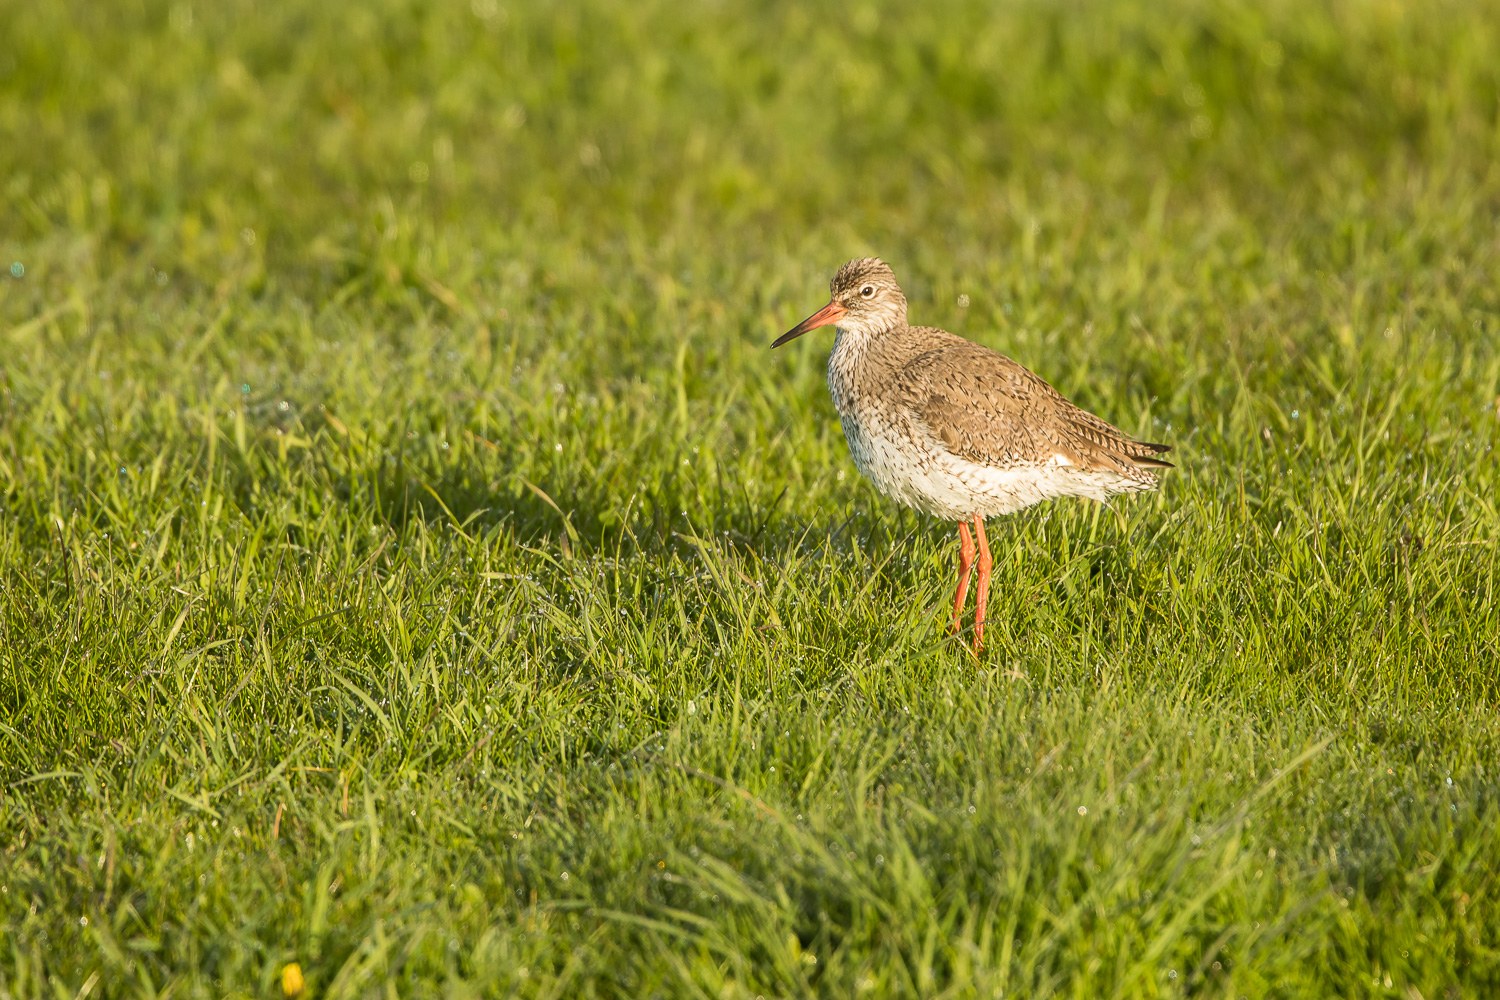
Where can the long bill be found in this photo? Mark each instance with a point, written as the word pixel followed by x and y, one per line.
pixel 831 313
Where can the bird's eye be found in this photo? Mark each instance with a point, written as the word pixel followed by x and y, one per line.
pixel 868 291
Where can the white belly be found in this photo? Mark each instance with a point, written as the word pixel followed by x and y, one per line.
pixel 911 467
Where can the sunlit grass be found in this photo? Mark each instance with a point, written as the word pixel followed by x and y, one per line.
pixel 414 565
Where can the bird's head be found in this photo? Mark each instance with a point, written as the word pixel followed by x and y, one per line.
pixel 863 298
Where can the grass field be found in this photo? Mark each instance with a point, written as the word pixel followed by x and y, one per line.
pixel 414 566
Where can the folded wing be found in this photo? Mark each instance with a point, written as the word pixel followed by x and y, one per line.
pixel 989 410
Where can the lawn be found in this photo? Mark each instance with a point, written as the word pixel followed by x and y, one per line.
pixel 415 566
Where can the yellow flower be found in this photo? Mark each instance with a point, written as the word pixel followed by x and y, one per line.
pixel 291 979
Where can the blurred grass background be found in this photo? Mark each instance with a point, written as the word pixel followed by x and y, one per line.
pixel 414 565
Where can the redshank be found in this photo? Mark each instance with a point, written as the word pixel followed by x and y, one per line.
pixel 956 430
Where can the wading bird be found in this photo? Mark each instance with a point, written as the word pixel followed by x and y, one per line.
pixel 956 430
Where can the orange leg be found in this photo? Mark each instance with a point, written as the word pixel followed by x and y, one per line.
pixel 982 595
pixel 965 564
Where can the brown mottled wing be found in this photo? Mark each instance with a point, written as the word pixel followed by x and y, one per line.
pixel 986 408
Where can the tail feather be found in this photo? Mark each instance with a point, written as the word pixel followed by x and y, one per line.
pixel 1138 455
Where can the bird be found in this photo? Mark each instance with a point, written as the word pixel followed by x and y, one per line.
pixel 958 431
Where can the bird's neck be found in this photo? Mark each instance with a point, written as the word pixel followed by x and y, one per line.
pixel 857 350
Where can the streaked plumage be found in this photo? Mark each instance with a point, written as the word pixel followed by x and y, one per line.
pixel 955 429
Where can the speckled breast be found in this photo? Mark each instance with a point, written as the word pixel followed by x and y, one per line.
pixel 886 449
pixel 879 454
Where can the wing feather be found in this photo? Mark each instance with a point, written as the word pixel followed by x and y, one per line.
pixel 988 409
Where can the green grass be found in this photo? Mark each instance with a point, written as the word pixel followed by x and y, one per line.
pixel 414 565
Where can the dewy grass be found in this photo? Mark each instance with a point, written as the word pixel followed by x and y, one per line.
pixel 414 565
